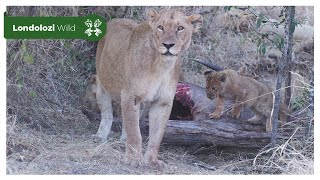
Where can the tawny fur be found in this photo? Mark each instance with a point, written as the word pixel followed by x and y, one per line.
pixel 236 20
pixel 89 98
pixel 245 91
pixel 140 63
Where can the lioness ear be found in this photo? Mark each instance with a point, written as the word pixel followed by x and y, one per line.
pixel 207 72
pixel 223 77
pixel 196 20
pixel 151 14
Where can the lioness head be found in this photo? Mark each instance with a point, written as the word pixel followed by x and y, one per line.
pixel 172 30
pixel 215 82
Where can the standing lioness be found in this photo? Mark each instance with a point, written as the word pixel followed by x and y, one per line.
pixel 140 63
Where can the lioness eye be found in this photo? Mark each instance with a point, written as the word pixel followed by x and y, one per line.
pixel 160 27
pixel 180 28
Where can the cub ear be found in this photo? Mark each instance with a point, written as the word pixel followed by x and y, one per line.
pixel 196 20
pixel 151 14
pixel 208 72
pixel 223 77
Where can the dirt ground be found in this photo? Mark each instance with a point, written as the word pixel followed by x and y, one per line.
pixel 69 149
pixel 48 134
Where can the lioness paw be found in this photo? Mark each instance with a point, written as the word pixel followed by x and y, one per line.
pixel 214 116
pixel 158 165
pixel 98 139
pixel 133 161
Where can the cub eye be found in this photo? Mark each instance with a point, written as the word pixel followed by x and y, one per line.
pixel 180 28
pixel 161 28
pixel 213 88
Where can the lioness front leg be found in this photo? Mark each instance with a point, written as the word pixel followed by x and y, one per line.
pixel 130 117
pixel 158 117
pixel 219 106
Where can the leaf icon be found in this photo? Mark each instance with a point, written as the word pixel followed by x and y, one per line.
pixel 88 23
pixel 88 32
pixel 97 32
pixel 97 23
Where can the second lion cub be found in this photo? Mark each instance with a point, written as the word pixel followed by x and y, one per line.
pixel 245 91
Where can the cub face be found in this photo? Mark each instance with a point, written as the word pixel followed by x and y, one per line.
pixel 215 82
pixel 172 30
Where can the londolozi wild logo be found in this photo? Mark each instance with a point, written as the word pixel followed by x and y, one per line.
pixel 91 27
pixel 94 25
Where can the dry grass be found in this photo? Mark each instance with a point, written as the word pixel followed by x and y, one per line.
pixel 48 134
pixel 294 156
pixel 36 152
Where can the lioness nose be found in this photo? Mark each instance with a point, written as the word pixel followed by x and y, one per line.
pixel 168 46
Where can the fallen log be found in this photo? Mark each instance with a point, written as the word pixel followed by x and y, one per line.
pixel 222 132
pixel 216 132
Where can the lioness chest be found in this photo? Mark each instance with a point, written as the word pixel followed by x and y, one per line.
pixel 153 87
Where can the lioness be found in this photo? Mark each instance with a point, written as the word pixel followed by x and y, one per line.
pixel 245 91
pixel 140 63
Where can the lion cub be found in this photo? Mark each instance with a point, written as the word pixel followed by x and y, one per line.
pixel 245 91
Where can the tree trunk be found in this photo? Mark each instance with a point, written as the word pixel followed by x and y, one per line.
pixel 287 54
pixel 289 36
pixel 311 107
